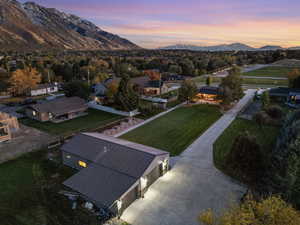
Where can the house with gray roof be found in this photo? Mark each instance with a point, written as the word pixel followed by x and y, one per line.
pixel 58 110
pixel 113 173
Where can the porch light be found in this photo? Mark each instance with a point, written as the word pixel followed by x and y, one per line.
pixel 119 204
pixel 164 164
pixel 34 113
pixel 144 182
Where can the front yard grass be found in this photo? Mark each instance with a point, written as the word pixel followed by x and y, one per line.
pixel 271 71
pixel 266 137
pixel 176 130
pixel 93 120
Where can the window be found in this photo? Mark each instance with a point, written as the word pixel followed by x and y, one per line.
pixel 68 157
pixel 82 164
pixel 34 113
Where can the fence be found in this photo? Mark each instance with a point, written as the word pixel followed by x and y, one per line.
pixel 94 105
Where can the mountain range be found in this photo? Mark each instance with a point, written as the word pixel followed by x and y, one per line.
pixel 31 26
pixel 229 47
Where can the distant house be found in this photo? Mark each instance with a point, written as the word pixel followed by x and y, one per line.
pixel 208 94
pixel 58 110
pixel 44 89
pixel 8 125
pixel 174 78
pixel 113 173
pixel 284 94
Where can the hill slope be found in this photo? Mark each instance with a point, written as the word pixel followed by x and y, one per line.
pixel 29 26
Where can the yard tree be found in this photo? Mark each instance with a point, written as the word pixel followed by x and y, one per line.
pixel 231 86
pixel 265 99
pixel 208 80
pixel 246 158
pixel 188 67
pixel 284 164
pixel 77 88
pixel 112 90
pixel 294 78
pixel 188 91
pixel 23 80
pixel 270 211
pixel 126 98
pixel 261 118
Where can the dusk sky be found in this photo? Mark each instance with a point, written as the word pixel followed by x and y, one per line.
pixel 156 23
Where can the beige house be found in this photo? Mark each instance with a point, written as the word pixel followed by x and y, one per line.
pixel 8 125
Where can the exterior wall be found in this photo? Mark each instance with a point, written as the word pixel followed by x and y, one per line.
pixel 52 89
pixel 43 117
pixel 7 130
pixel 38 92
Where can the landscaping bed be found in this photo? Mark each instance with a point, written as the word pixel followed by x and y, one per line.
pixel 175 131
pixel 266 137
pixel 94 120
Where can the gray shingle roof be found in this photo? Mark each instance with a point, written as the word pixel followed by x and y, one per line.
pixel 101 184
pixel 209 90
pixel 126 157
pixel 61 106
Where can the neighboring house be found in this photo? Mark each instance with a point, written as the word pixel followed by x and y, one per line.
pixel 175 78
pixel 208 94
pixel 155 87
pixel 8 125
pixel 43 89
pixel 113 173
pixel 58 110
pixel 284 94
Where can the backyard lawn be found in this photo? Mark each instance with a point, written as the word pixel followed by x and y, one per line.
pixel 93 120
pixel 266 137
pixel 271 71
pixel 176 130
pixel 22 200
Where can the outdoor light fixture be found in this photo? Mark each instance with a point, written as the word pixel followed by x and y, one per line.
pixel 164 164
pixel 144 182
pixel 34 113
pixel 82 164
pixel 119 204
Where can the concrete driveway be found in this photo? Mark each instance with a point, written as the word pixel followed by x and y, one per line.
pixel 193 185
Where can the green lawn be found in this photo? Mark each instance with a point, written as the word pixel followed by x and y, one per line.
pixel 93 120
pixel 21 199
pixel 266 137
pixel 271 71
pixel 176 130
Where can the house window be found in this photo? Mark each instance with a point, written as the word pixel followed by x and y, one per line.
pixel 68 157
pixel 50 116
pixel 82 164
pixel 34 113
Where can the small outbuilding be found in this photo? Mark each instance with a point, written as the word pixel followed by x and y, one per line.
pixel 44 89
pixel 58 110
pixel 113 173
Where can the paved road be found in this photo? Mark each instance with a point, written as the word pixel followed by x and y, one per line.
pixel 193 185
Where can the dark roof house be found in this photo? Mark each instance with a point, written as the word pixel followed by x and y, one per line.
pixel 112 171
pixel 209 90
pixel 57 109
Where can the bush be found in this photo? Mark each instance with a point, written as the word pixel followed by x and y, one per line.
pixel 246 158
pixel 275 112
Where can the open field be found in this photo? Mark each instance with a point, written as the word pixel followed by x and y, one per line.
pixel 246 81
pixel 176 130
pixel 95 119
pixel 266 137
pixel 271 71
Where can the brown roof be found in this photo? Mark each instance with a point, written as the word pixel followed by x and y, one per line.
pixel 61 106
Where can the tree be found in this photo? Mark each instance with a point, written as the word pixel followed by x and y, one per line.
pixel 188 67
pixel 275 112
pixel 231 86
pixel 24 80
pixel 246 158
pixel 294 78
pixel 270 211
pixel 126 98
pixel 4 78
pixel 188 91
pixel 112 90
pixel 265 99
pixel 77 88
pixel 208 80
pixel 261 118
pixel 176 69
